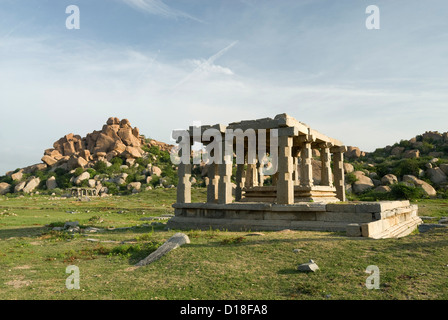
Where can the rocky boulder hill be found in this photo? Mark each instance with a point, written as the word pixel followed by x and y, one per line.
pixel 420 162
pixel 116 139
pixel 84 161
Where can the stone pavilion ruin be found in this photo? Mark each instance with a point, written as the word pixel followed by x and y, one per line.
pixel 291 199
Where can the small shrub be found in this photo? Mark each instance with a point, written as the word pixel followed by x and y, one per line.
pixel 56 224
pixel 92 172
pixel 403 191
pixel 100 166
pixel 57 236
pixel 146 236
pixel 116 161
pixel 137 250
pixel 233 240
pixel 350 178
pixel 78 171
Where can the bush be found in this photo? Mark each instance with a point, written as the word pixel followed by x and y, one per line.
pixel 142 161
pixel 399 191
pixel 100 166
pixel 112 187
pixel 6 179
pixel 56 191
pixel 155 181
pixel 350 178
pixel 407 166
pixel 78 171
pixel 63 178
pixel 92 172
pixel 402 191
pixel 116 161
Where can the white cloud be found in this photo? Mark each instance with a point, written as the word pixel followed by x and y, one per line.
pixel 207 66
pixel 157 7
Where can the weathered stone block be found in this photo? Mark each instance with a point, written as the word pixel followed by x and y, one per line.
pixel 344 216
pixel 353 230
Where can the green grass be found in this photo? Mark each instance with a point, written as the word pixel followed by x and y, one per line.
pixel 215 265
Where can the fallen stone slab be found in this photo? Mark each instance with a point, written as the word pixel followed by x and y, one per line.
pixel 424 227
pixel 102 241
pixel 310 266
pixel 428 218
pixel 172 243
pixel 92 230
pixel 71 224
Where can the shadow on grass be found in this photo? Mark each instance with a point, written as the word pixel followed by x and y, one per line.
pixel 288 271
pixel 22 232
pixel 38 231
pixel 135 252
pixel 249 241
pixel 429 239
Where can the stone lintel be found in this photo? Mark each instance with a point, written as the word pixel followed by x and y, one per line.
pixel 220 127
pixel 323 138
pixel 265 123
pixel 288 132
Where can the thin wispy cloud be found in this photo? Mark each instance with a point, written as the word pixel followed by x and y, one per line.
pixel 208 65
pixel 157 7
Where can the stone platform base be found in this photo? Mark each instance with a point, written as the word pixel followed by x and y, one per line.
pixel 384 219
pixel 268 194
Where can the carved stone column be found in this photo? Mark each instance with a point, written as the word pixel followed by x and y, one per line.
pixel 251 176
pixel 225 183
pixel 239 180
pixel 184 184
pixel 338 171
pixel 212 187
pixel 326 174
pixel 306 154
pixel 285 184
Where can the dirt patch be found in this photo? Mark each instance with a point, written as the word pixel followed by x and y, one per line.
pixel 24 267
pixel 130 269
pixel 19 283
pixel 286 231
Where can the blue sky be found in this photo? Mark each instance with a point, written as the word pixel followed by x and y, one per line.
pixel 166 63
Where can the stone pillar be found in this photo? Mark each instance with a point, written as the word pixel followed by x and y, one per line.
pixel 285 185
pixel 306 154
pixel 225 183
pixel 296 168
pixel 239 179
pixel 184 184
pixel 274 179
pixel 260 176
pixel 251 176
pixel 338 171
pixel 326 174
pixel 212 187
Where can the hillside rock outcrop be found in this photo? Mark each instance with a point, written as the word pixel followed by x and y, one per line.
pixel 117 138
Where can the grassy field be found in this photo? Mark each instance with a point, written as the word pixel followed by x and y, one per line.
pixel 215 265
